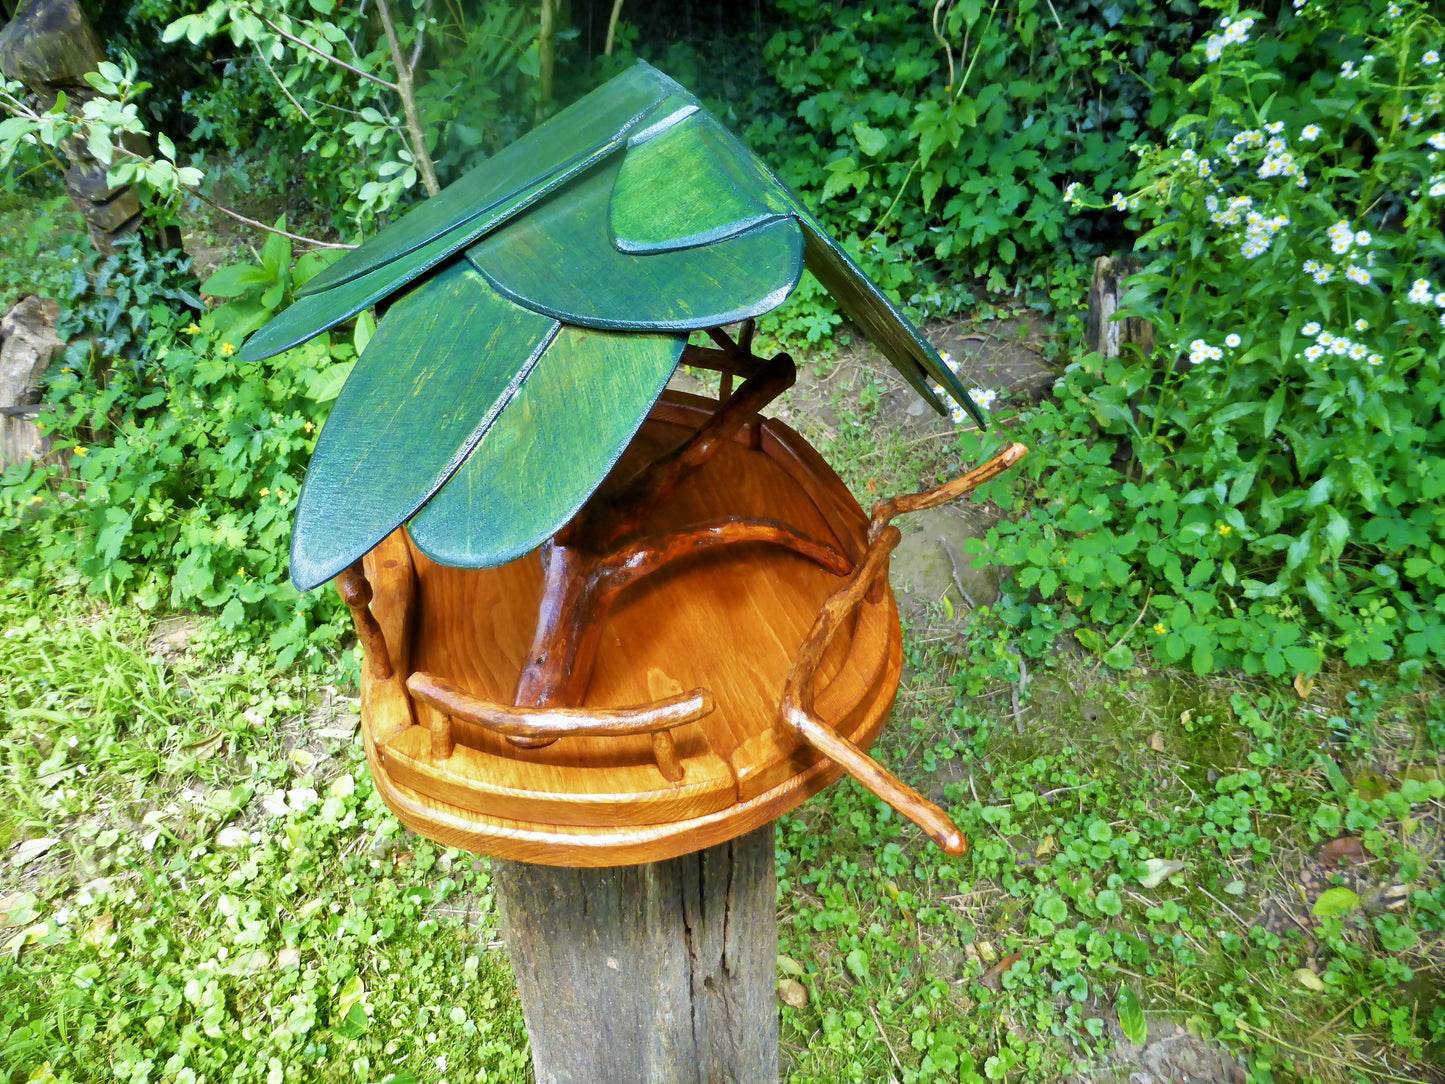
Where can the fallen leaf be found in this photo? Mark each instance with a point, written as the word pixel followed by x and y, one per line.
pixel 792 993
pixel 1309 980
pixel 1156 741
pixel 1304 686
pixel 1185 717
pixel 1235 888
pixel 1160 869
pixel 206 748
pixel 1335 902
pixel 1345 851
pixel 993 977
pixel 343 786
pixel 32 849
pixel 18 908
pixel 1045 847
pixel 302 759
pixel 789 966
pixel 95 935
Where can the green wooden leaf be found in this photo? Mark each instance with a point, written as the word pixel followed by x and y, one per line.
pixel 589 129
pixel 559 259
pixel 682 187
pixel 442 366
pixel 310 316
pixel 550 447
pixel 890 331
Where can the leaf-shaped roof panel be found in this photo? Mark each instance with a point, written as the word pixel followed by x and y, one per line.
pixel 890 331
pixel 440 370
pixel 559 259
pixel 589 128
pixel 551 448
pixel 682 188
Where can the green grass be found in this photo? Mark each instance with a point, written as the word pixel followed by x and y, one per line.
pixel 220 893
pixel 1126 845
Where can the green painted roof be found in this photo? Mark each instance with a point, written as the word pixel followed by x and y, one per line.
pixel 538 306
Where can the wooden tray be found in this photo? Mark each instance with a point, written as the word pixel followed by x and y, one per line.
pixel 729 620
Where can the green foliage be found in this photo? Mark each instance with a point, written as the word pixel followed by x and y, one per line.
pixel 342 135
pixel 207 885
pixel 947 146
pixel 176 468
pixel 1112 875
pixel 1266 488
pixel 43 243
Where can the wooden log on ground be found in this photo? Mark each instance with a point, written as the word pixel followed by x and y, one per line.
pixel 655 974
pixel 1103 334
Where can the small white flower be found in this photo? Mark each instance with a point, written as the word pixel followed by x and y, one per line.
pixel 1311 329
pixel 1437 189
pixel 1437 141
pixel 1347 69
pixel 1119 202
pixel 72 741
pixel 1430 58
pixel 1232 340
pixel 1363 237
pixel 984 397
pixel 1420 292
pixel 1357 275
pixel 1362 324
pixel 1440 301
pixel 1310 132
pixel 1314 353
pixel 1358 351
pixel 1375 359
pixel 1071 191
pixel 1274 127
pixel 1393 11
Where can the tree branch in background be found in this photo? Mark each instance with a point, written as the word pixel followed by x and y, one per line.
pixel 312 241
pixel 612 27
pixel 408 99
pixel 333 59
pixel 546 55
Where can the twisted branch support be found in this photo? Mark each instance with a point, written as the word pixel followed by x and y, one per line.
pixel 796 710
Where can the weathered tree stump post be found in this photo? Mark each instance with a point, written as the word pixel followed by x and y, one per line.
pixel 1103 334
pixel 660 973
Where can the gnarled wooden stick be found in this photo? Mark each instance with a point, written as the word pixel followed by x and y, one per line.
pixel 796 710
pixel 355 591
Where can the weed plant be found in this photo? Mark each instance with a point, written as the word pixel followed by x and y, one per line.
pixel 1265 488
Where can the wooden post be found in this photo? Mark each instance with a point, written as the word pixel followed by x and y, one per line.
pixel 1102 333
pixel 655 974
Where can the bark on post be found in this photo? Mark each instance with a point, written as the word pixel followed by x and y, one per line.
pixel 659 974
pixel 1103 334
pixel 28 344
pixel 50 46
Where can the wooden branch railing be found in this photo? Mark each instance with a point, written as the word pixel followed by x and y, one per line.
pixel 796 710
pixel 549 724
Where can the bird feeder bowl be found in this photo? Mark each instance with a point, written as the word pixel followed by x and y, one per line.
pixel 603 623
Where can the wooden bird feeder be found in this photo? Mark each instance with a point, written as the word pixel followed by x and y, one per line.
pixel 606 624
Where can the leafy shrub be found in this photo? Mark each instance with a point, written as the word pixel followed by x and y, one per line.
pixel 1269 486
pixel 175 478
pixel 950 142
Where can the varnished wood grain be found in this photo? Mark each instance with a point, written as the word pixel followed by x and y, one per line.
pixel 728 622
